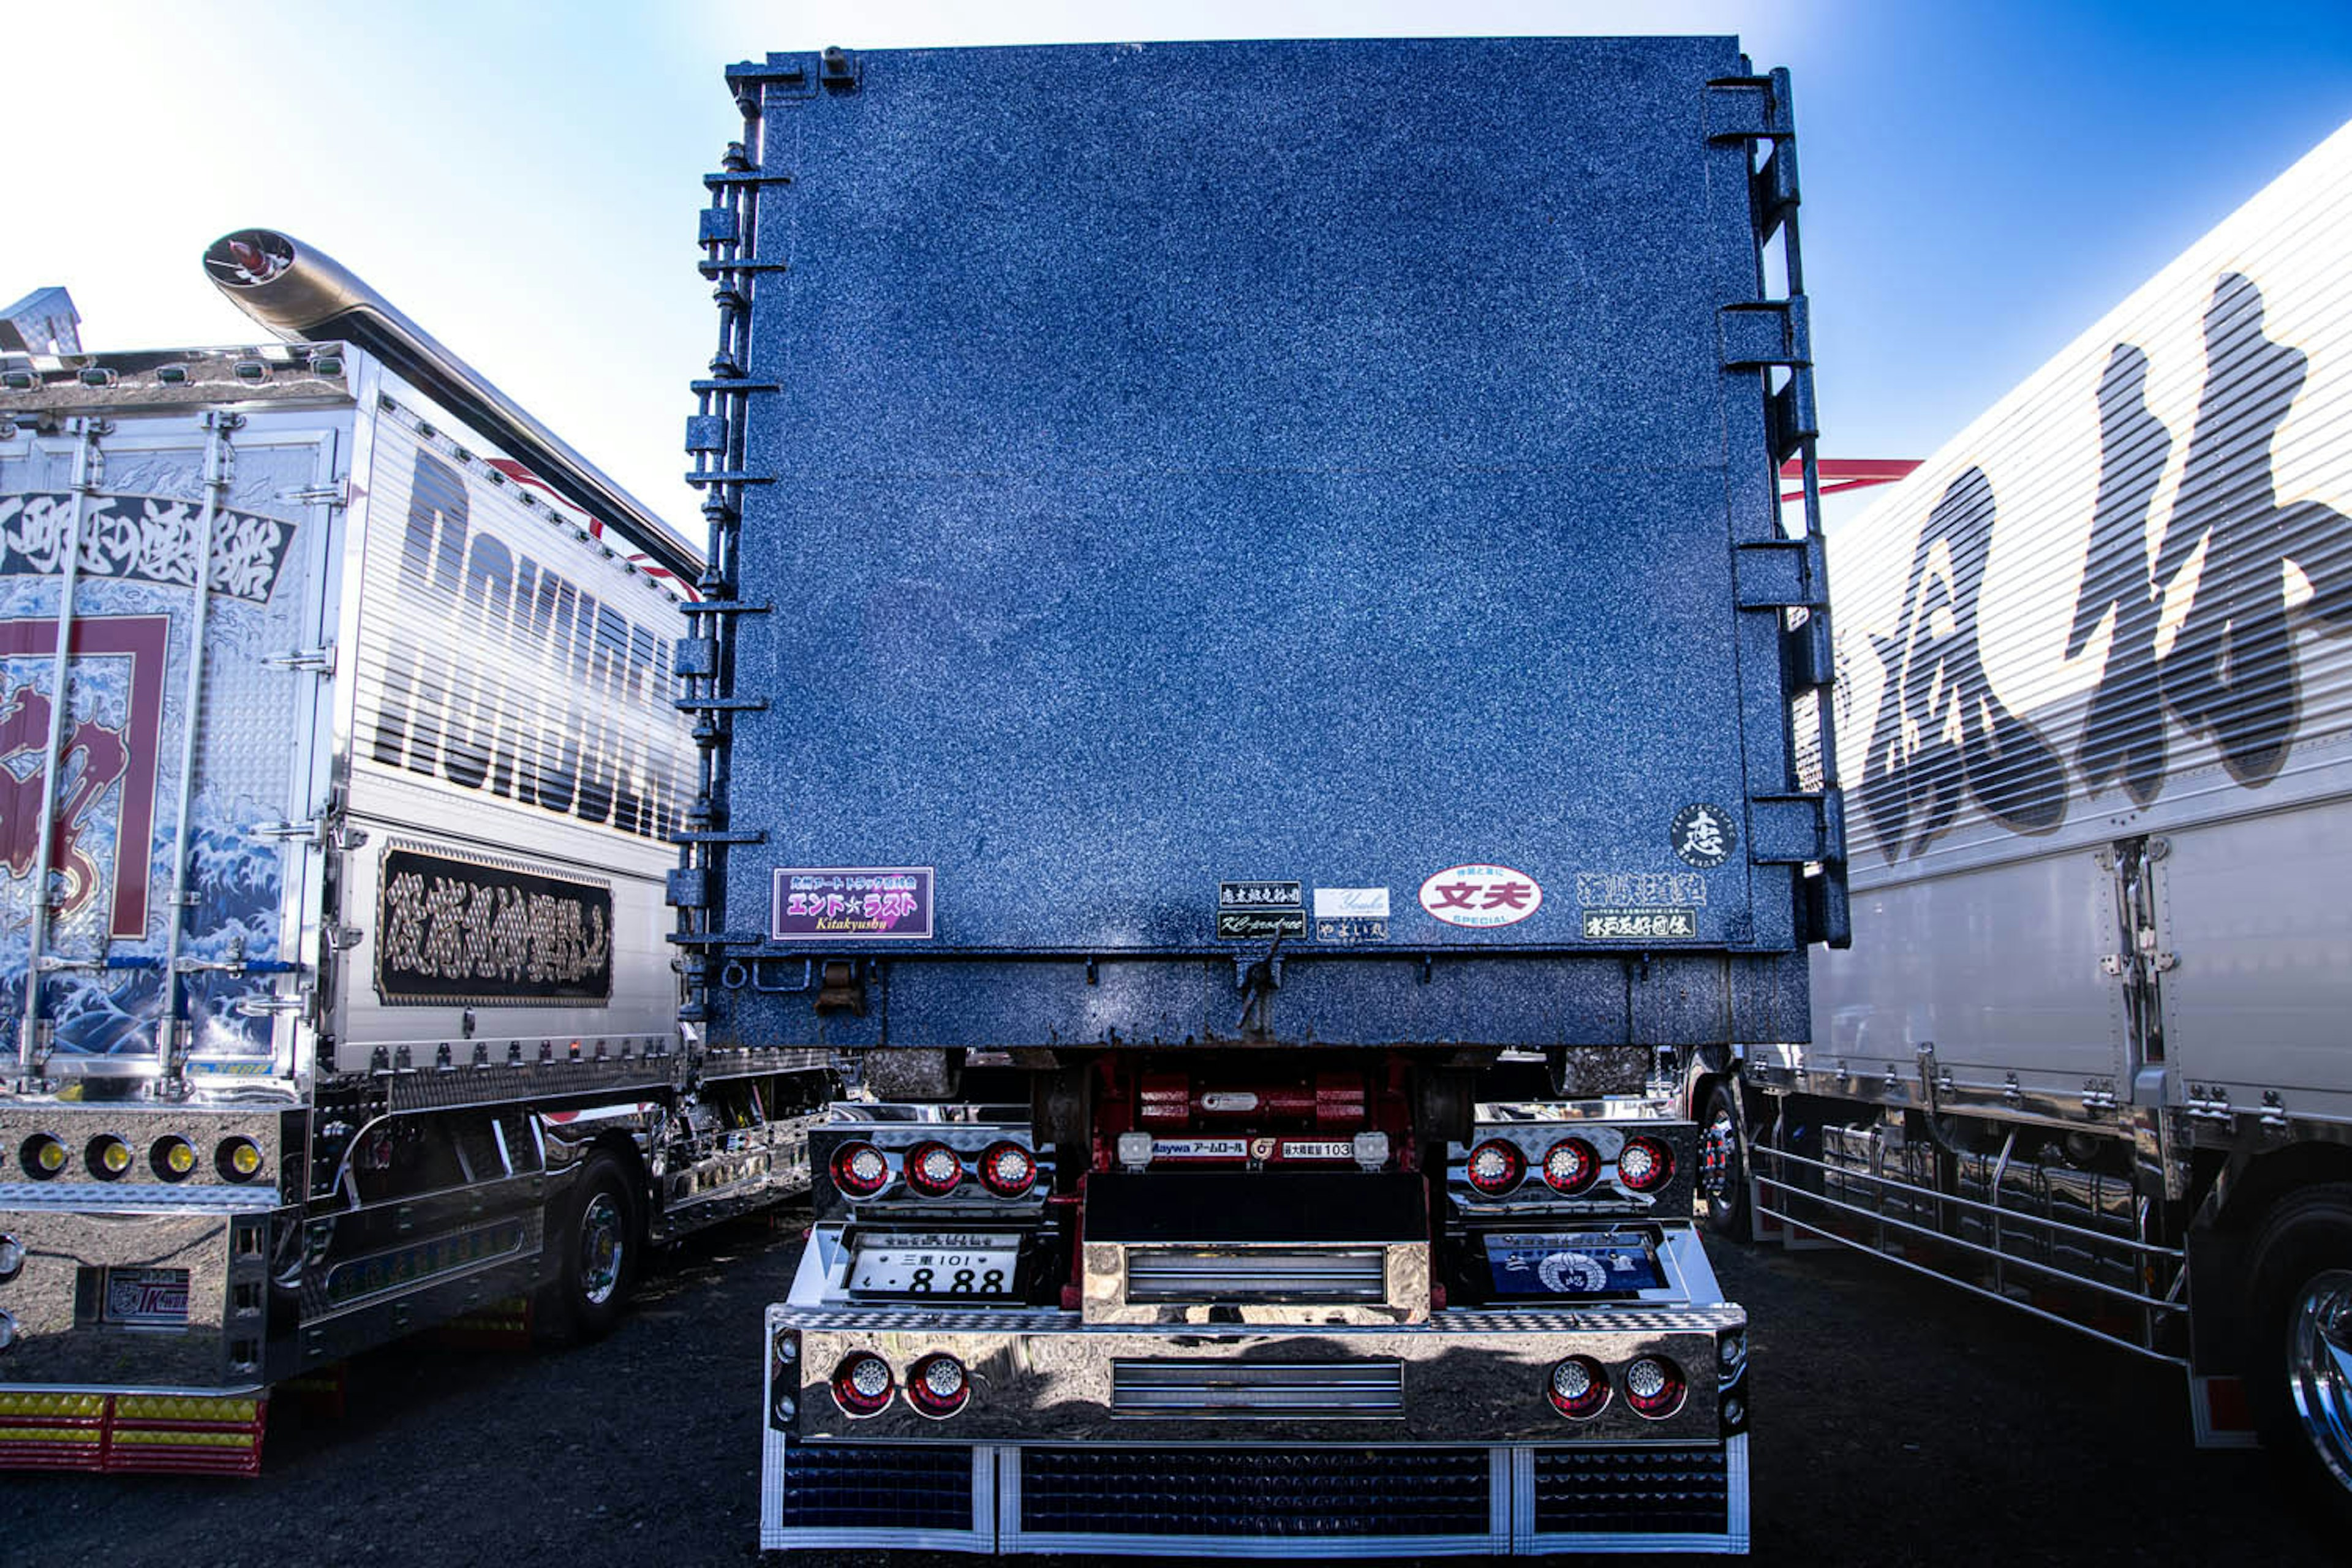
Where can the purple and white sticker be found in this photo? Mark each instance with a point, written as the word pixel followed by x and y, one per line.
pixel 850 903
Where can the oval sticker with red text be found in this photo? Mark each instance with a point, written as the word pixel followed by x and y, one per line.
pixel 1481 896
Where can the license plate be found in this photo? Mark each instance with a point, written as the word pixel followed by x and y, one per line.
pixel 1584 1264
pixel 978 1266
pixel 146 1296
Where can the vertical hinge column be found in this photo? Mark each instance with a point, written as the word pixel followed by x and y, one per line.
pixel 171 1035
pixel 1801 821
pixel 716 444
pixel 88 475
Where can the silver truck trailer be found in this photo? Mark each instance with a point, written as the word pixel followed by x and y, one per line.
pixel 341 755
pixel 2088 1054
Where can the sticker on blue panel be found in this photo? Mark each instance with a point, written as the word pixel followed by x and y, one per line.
pixel 1479 897
pixel 1577 1264
pixel 1351 914
pixel 1704 834
pixel 854 903
pixel 1639 922
pixel 1260 910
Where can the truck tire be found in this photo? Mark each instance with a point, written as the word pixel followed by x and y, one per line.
pixel 2300 1316
pixel 596 1236
pixel 1723 1162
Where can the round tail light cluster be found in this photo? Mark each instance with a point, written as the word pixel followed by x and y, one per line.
pixel 1571 1166
pixel 938 1386
pixel 1645 1165
pixel 862 1385
pixel 1007 1168
pixel 1655 1386
pixel 1578 1387
pixel 1496 1166
pixel 860 1170
pixel 933 1169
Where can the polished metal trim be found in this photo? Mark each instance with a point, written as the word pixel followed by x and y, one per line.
pixel 1367 1388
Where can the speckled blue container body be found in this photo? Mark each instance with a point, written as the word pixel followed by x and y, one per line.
pixel 1309 462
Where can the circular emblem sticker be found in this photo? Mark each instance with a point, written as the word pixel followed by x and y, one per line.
pixel 1703 835
pixel 1481 896
pixel 1571 1274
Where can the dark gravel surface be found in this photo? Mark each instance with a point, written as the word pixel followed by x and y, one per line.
pixel 1896 1422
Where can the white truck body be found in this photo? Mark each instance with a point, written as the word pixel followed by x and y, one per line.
pixel 2088 1053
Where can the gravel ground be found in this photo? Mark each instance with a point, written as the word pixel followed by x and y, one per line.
pixel 1896 1423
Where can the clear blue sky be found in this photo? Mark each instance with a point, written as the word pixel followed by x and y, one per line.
pixel 1982 181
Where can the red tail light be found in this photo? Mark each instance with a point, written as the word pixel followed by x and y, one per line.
pixel 1571 1165
pixel 1496 1166
pixel 1655 1386
pixel 1645 1165
pixel 1007 1170
pixel 938 1386
pixel 933 1169
pixel 1578 1387
pixel 862 1385
pixel 860 1170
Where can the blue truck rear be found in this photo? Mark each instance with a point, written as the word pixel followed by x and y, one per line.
pixel 1253 682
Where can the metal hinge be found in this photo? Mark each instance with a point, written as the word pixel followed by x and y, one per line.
pixel 272 1005
pixel 309 830
pixel 343 938
pixel 2098 1094
pixel 2211 1101
pixel 317 660
pixel 2274 1109
pixel 338 493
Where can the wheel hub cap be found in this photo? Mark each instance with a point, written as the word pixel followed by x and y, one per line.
pixel 2319 1368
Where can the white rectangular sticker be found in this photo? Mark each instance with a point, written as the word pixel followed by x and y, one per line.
pixel 1200 1149
pixel 1351 904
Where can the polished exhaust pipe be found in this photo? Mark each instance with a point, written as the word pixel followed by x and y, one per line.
pixel 304 295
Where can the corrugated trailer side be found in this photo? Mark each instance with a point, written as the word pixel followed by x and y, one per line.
pixel 2095 721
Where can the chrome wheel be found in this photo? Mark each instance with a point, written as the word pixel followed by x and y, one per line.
pixel 2319 1368
pixel 604 1238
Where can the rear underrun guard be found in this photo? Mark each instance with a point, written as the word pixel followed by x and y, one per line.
pixel 1244 1500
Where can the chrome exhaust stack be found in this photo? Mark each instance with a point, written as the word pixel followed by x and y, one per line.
pixel 303 294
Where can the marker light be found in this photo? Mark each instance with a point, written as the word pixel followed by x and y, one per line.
pixel 1007 1170
pixel 861 1384
pixel 42 1156
pixel 1645 1165
pixel 933 1169
pixel 1578 1387
pixel 1571 1166
pixel 937 1386
pixel 107 1156
pixel 1654 1388
pixel 1496 1166
pixel 239 1158
pixel 173 1159
pixel 859 1170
